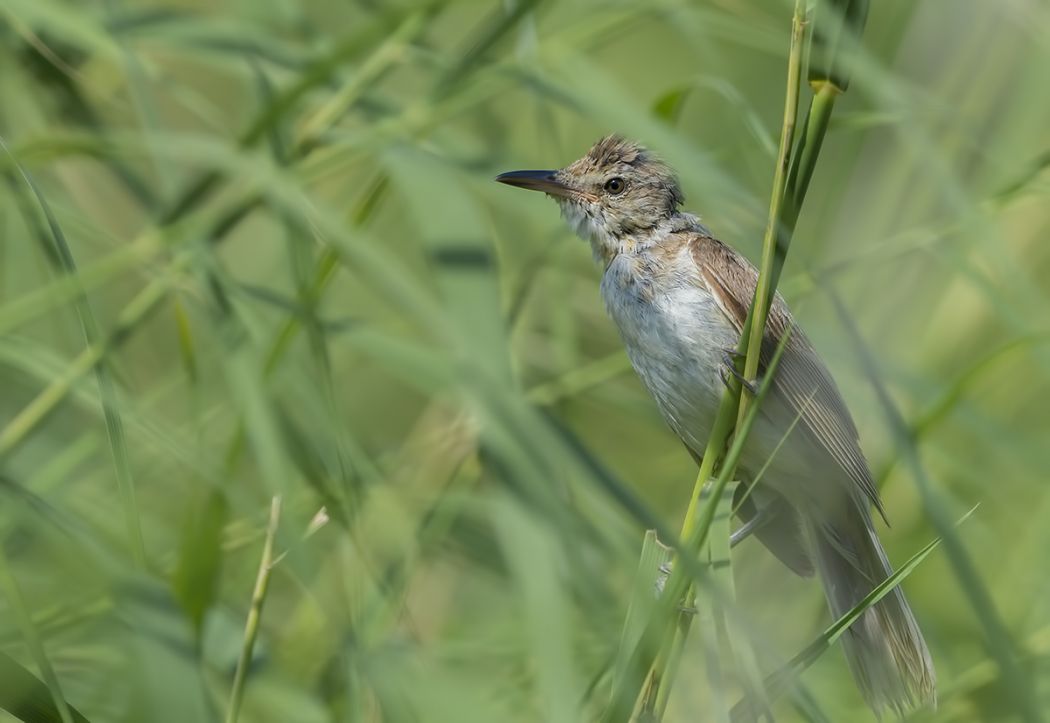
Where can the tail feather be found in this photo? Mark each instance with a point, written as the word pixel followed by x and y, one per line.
pixel 884 647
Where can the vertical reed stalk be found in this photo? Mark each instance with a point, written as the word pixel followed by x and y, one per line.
pixel 251 627
pixel 828 78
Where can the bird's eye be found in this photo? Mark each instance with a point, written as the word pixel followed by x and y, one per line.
pixel 615 186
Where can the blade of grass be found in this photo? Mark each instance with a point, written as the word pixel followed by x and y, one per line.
pixel 195 581
pixel 323 273
pixel 270 117
pixel 715 634
pixel 29 700
pixel 73 24
pixel 392 50
pixel 644 594
pixel 148 299
pixel 777 682
pixel 31 637
pixel 134 314
pixel 998 640
pixel 58 251
pixel 580 379
pixel 60 291
pixel 498 24
pixel 926 421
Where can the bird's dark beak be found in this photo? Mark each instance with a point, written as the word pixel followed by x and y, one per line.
pixel 545 181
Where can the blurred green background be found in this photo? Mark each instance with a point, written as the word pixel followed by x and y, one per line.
pixel 276 264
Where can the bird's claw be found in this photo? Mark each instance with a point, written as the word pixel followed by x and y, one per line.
pixel 763 516
pixel 745 530
pixel 729 360
pixel 661 579
pixel 661 583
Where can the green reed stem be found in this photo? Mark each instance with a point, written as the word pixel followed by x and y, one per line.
pixel 790 183
pixel 251 627
pixel 767 276
pixel 734 407
pixel 663 675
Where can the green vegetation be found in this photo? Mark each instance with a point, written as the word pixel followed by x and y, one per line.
pixel 252 260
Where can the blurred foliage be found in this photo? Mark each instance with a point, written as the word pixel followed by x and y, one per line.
pixel 264 256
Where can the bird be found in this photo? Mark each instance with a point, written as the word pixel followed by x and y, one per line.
pixel 679 298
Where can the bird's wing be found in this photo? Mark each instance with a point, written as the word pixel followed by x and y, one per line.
pixel 801 381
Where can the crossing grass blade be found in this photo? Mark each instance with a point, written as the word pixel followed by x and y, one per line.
pixel 29 700
pixel 57 250
pixel 777 683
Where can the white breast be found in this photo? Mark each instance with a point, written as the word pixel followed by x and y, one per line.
pixel 675 335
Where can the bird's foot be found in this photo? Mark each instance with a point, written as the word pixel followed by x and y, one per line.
pixel 744 531
pixel 729 360
pixel 764 515
pixel 661 583
pixel 661 578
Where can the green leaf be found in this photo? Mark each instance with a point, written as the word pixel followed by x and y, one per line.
pixel 25 697
pixel 668 107
pixel 834 22
pixel 59 254
pixel 644 592
pixel 187 348
pixel 195 583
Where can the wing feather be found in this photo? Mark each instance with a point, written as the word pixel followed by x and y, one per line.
pixel 802 381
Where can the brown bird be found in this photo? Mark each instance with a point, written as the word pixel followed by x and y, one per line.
pixel 679 298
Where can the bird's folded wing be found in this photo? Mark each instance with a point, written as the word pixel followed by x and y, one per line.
pixel 801 380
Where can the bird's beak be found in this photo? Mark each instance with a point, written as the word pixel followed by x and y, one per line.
pixel 546 181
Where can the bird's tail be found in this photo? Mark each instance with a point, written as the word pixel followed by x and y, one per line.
pixel 884 647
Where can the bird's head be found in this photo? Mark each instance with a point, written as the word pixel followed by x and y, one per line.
pixel 613 197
